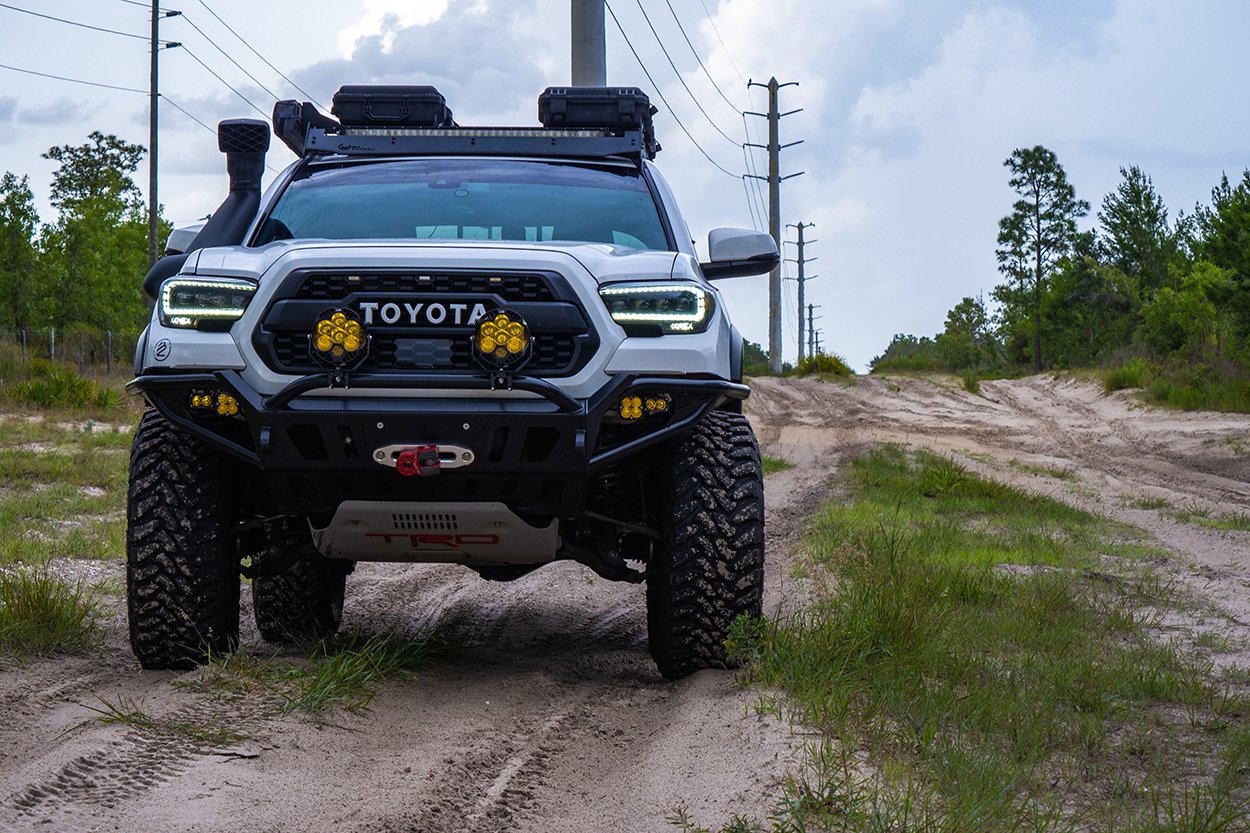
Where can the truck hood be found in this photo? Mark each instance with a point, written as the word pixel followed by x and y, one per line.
pixel 603 262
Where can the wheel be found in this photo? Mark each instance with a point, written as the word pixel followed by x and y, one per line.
pixel 182 578
pixel 710 567
pixel 305 601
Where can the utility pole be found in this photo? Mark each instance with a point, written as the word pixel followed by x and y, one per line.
pixel 774 210
pixel 803 278
pixel 590 56
pixel 812 340
pixel 153 99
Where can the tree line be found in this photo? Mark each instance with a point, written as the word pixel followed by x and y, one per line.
pixel 1172 295
pixel 85 268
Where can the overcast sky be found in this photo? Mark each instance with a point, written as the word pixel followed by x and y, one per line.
pixel 909 109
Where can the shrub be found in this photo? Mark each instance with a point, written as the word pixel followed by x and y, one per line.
pixel 823 363
pixel 41 612
pixel 1130 375
pixel 60 387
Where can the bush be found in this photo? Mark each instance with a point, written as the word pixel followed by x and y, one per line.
pixel 823 363
pixel 1130 375
pixel 41 612
pixel 60 387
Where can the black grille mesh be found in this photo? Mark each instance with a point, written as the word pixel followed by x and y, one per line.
pixel 332 287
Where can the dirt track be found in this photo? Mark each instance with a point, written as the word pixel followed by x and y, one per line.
pixel 551 716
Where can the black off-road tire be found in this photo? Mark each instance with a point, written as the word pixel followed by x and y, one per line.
pixel 304 602
pixel 182 575
pixel 710 568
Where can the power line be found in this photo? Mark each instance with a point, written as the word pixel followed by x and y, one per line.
pixel 228 58
pixel 258 55
pixel 174 104
pixel 722 41
pixel 263 114
pixel 677 72
pixel 73 80
pixel 736 108
pixel 656 87
pixel 76 23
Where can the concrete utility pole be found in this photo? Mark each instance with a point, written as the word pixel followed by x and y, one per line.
pixel 803 278
pixel 811 339
pixel 774 211
pixel 154 96
pixel 153 226
pixel 590 55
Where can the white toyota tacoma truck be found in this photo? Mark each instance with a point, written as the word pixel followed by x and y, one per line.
pixel 493 347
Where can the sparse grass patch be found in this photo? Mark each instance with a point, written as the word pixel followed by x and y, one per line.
pixel 1200 516
pixel 128 713
pixel 62 488
pixel 42 613
pixel 772 465
pixel 969 695
pixel 342 672
pixel 1149 503
pixel 1045 471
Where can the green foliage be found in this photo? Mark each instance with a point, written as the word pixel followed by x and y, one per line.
pixel 85 269
pixel 772 465
pixel 55 386
pixel 43 613
pixel 906 352
pixel 1137 236
pixel 962 696
pixel 754 360
pixel 823 363
pixel 1035 236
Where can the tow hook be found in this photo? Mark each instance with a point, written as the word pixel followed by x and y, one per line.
pixel 418 460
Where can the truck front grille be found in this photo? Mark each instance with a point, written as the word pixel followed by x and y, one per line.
pixel 513 288
pixel 553 353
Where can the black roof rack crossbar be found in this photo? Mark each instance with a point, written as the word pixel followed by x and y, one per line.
pixel 475 141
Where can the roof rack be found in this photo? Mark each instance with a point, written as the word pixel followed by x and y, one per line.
pixel 590 122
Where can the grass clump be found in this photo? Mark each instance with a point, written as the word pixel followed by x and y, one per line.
pixel 57 386
pixel 976 696
pixel 341 672
pixel 126 712
pixel 772 465
pixel 823 363
pixel 42 613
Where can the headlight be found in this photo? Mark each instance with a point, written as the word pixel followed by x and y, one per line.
pixel 185 302
pixel 673 307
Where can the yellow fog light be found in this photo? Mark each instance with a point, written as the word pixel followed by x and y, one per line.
pixel 338 338
pixel 502 341
pixel 227 405
pixel 631 407
pixel 658 403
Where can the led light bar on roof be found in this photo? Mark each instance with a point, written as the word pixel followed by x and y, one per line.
pixel 475 132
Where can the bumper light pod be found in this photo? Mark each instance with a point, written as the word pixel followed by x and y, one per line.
pixel 338 338
pixel 502 341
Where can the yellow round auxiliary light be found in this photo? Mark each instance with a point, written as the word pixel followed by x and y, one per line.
pixel 502 341
pixel 338 338
pixel 631 407
pixel 227 405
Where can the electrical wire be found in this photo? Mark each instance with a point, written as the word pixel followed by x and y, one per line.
pixel 175 105
pixel 263 114
pixel 76 23
pixel 656 87
pixel 142 5
pixel 735 107
pixel 73 80
pixel 677 72
pixel 258 55
pixel 722 41
pixel 228 58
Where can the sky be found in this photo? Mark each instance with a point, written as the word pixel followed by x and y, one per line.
pixel 908 109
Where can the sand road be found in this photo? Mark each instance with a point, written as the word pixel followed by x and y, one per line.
pixel 550 715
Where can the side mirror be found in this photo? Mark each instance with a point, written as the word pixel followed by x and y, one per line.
pixel 737 253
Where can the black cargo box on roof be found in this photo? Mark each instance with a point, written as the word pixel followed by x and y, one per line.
pixel 616 109
pixel 391 106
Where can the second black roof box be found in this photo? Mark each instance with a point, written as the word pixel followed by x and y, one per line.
pixel 616 109
pixel 391 106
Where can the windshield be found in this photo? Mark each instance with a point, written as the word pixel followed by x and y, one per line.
pixel 441 199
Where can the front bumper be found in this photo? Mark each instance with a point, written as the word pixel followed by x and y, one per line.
pixel 536 455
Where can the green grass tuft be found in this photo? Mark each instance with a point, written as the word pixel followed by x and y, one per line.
pixel 42 613
pixel 823 363
pixel 772 465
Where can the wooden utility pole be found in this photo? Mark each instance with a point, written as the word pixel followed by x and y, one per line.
pixel 590 56
pixel 774 211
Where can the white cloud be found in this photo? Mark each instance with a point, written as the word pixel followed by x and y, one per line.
pixel 384 18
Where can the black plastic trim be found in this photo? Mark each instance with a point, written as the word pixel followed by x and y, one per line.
pixel 739 268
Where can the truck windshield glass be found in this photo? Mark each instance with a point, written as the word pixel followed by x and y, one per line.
pixel 467 200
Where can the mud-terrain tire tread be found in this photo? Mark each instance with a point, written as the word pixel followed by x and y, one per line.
pixel 711 567
pixel 303 603
pixel 182 579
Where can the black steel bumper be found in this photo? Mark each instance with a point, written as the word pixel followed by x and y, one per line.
pixel 536 455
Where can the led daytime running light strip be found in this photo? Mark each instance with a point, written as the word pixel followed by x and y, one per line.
pixel 696 317
pixel 475 132
pixel 211 312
